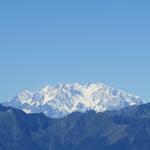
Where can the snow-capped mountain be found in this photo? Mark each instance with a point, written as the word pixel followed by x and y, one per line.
pixel 58 101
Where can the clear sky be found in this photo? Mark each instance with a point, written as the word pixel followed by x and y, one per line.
pixel 57 41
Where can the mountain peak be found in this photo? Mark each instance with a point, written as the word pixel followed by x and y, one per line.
pixel 63 99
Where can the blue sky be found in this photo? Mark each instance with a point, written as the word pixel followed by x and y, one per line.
pixel 51 42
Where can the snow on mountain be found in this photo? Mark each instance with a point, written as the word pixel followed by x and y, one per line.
pixel 60 100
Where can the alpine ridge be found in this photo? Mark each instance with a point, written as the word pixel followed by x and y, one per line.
pixel 63 99
pixel 124 129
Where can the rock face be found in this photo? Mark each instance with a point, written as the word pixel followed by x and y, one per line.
pixel 125 129
pixel 61 100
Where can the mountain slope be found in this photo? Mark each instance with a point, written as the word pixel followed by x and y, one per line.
pixel 61 100
pixel 126 129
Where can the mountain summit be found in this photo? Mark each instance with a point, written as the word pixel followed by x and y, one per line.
pixel 63 99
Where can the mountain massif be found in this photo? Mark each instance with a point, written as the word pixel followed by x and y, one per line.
pixel 124 129
pixel 63 99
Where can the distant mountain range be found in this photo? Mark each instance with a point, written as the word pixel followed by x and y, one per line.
pixel 125 129
pixel 61 100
